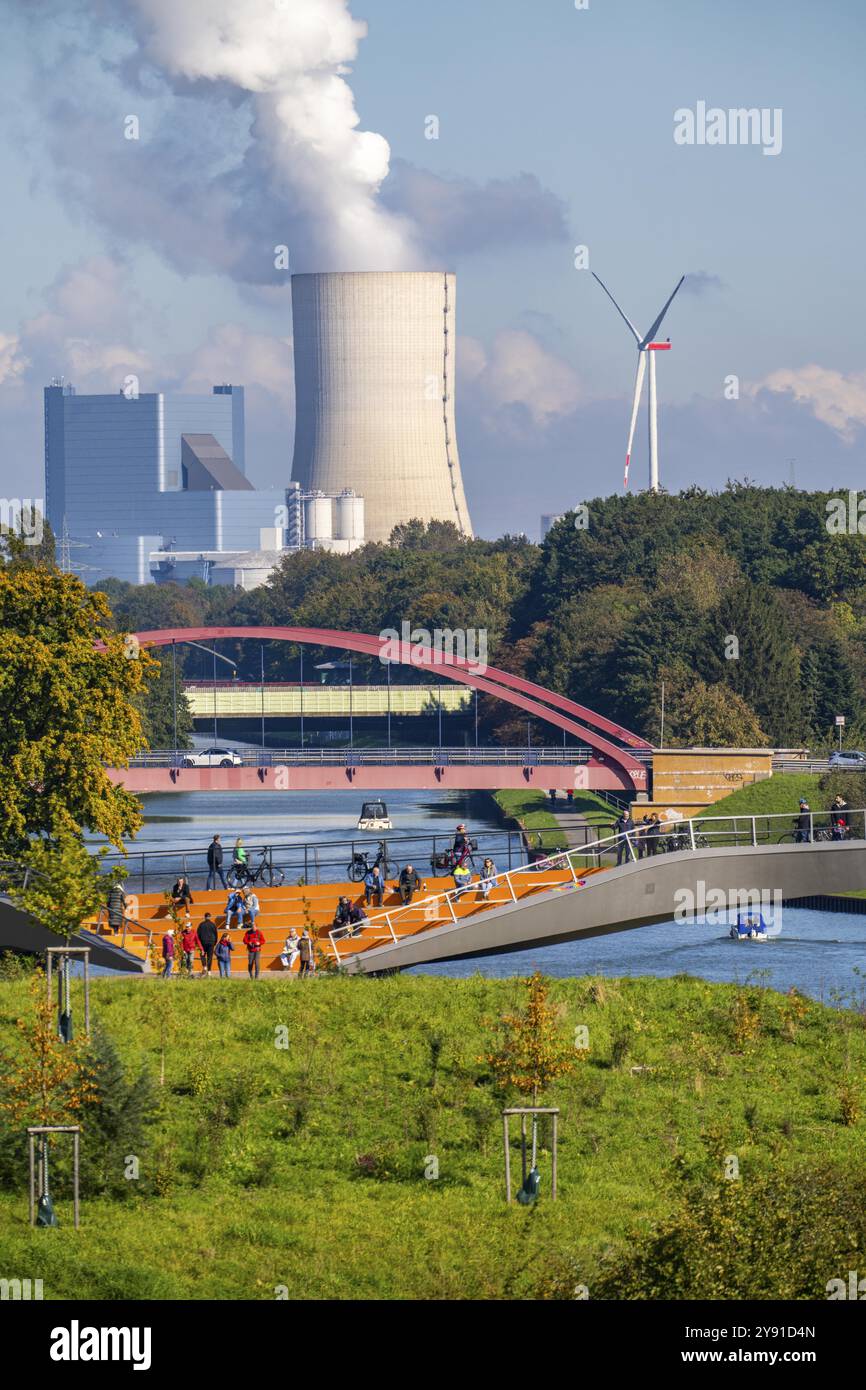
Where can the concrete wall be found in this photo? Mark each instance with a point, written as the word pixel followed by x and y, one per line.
pixel 687 780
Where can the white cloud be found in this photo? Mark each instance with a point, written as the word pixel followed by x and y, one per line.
pixel 518 371
pixel 837 399
pixel 13 363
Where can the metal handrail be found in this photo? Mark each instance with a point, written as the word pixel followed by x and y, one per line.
pixel 336 757
pixel 563 858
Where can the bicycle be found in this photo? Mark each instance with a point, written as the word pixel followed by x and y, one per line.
pixel 242 875
pixel 361 866
pixel 444 862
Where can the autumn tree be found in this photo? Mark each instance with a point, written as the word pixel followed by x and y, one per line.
pixel 65 886
pixel 66 710
pixel 534 1050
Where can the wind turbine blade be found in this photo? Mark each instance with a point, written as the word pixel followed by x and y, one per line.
pixel 657 325
pixel 641 368
pixel 618 309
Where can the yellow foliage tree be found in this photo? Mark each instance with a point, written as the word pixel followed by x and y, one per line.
pixel 67 688
pixel 534 1051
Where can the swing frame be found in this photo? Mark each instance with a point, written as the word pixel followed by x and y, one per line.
pixel 42 1130
pixel 67 951
pixel 523 1111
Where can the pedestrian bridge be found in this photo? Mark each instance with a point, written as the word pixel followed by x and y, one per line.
pixel 570 901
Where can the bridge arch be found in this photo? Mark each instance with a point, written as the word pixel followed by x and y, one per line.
pixel 543 704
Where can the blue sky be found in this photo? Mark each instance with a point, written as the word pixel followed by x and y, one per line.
pixel 555 129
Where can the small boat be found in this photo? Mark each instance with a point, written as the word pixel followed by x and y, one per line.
pixel 750 926
pixel 374 816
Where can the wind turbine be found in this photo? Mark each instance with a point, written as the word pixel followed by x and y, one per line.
pixel 645 344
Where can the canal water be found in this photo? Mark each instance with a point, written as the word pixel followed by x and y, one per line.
pixel 821 953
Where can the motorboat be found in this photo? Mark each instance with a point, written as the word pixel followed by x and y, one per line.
pixel 374 816
pixel 749 926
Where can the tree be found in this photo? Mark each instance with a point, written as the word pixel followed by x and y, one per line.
pixel 116 1113
pixel 66 885
pixel 66 710
pixel 50 1082
pixel 534 1051
pixel 763 666
pixel 164 698
pixel 709 716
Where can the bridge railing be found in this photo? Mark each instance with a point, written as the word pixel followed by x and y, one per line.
pixel 378 757
pixel 677 835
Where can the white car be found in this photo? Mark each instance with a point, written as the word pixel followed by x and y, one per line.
pixel 213 757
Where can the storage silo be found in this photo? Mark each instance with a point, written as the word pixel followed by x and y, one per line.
pixel 349 517
pixel 374 392
pixel 318 520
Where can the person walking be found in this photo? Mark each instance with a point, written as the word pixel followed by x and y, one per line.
pixel 291 950
pixel 305 949
pixel 116 907
pixel 839 818
pixel 488 878
pixel 224 956
pixel 207 940
pixel 254 941
pixel 168 953
pixel 374 886
pixel 408 884
pixel 215 864
pixel 188 942
pixel 803 835
pixel 624 826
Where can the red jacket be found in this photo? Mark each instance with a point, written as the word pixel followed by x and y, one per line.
pixel 253 939
pixel 189 940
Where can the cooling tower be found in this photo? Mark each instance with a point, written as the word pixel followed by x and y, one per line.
pixel 374 391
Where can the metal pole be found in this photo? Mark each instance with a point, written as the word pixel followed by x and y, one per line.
pixel 351 719
pixel 263 695
pixel 32 1156
pixel 439 702
pixel 302 697
pixel 214 698
pixel 553 1176
pixel 174 690
pixel 476 718
pixel 388 668
pixel 75 1179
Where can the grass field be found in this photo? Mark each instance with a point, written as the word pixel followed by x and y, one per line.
pixel 304 1166
pixel 776 795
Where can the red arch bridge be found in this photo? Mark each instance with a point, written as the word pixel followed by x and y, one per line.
pixel 612 758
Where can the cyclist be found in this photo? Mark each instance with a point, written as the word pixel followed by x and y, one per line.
pixel 239 855
pixel 461 848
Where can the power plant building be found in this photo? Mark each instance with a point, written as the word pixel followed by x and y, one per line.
pixel 374 390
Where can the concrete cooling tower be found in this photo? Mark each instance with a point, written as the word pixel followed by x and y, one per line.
pixel 374 390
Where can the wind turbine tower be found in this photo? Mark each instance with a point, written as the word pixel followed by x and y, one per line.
pixel 646 346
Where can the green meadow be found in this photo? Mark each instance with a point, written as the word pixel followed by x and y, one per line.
pixel 295 1144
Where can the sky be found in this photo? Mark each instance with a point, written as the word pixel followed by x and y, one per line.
pixel 306 123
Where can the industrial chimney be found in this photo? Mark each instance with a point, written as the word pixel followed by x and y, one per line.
pixel 374 391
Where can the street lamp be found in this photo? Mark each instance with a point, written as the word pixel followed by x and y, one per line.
pixel 217 656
